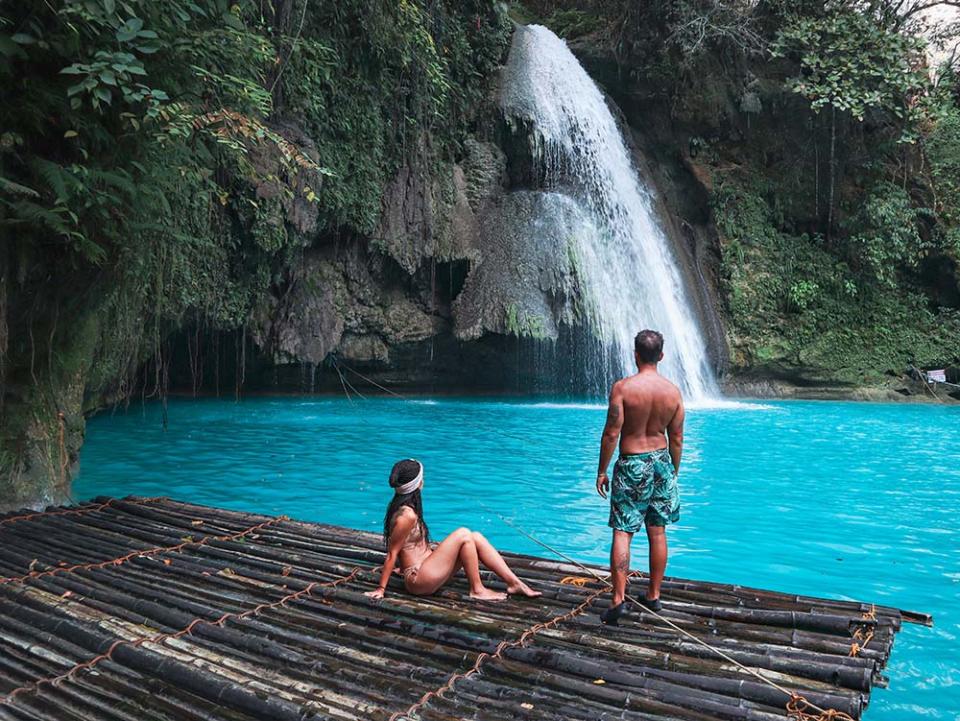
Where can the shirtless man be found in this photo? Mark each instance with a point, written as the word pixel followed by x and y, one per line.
pixel 645 411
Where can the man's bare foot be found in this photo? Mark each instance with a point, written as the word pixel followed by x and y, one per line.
pixel 523 589
pixel 485 594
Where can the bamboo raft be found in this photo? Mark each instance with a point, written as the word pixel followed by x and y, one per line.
pixel 142 608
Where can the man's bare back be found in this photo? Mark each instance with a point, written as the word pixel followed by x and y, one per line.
pixel 650 406
pixel 645 414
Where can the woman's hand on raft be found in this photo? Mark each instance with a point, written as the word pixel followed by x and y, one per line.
pixel 375 593
pixel 603 484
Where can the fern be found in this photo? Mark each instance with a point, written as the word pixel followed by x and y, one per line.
pixel 57 178
pixel 17 189
pixel 26 211
pixel 119 179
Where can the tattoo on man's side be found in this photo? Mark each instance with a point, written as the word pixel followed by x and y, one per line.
pixel 613 414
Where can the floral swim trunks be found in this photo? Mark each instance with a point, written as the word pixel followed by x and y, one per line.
pixel 644 491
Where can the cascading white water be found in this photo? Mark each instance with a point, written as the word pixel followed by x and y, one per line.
pixel 629 275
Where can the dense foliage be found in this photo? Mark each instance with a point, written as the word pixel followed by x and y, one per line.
pixel 167 161
pixel 828 141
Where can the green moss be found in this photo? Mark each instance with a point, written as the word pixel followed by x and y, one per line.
pixel 376 81
pixel 794 301
pixel 525 325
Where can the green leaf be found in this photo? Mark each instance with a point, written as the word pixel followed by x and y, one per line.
pixel 72 70
pixel 11 187
pixel 103 94
pixel 23 39
pixel 128 31
pixel 108 77
pixel 232 21
pixel 10 48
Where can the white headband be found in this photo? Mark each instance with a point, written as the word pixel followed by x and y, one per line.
pixel 411 486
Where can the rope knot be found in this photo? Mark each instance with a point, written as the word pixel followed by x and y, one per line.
pixel 799 709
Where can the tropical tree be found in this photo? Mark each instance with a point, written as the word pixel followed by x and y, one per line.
pixel 852 65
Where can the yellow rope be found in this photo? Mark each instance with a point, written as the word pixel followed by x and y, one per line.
pixel 578 581
pixel 863 633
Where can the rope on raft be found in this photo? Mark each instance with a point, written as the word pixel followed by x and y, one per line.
pixel 141 554
pixel 578 581
pixel 77 511
pixel 864 631
pixel 185 631
pixel 798 708
pixel 482 658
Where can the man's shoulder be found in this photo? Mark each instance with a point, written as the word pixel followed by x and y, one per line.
pixel 673 388
pixel 665 391
pixel 619 386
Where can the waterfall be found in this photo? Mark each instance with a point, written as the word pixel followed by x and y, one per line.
pixel 627 271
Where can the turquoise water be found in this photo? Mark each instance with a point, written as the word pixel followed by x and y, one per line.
pixel 849 500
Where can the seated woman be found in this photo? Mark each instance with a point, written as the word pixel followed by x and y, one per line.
pixel 426 568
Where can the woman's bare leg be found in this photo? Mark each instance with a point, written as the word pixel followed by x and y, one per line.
pixel 455 550
pixel 491 558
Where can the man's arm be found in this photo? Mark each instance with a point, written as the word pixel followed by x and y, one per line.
pixel 611 434
pixel 675 434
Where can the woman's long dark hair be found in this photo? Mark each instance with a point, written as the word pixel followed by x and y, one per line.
pixel 403 472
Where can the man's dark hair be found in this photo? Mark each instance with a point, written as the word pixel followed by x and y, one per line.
pixel 649 346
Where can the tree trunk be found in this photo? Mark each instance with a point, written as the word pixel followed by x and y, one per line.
pixel 816 174
pixel 4 330
pixel 282 22
pixel 833 168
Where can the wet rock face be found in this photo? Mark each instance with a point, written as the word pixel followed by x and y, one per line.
pixel 429 208
pixel 485 171
pixel 345 301
pixel 376 302
pixel 524 283
pixel 382 304
pixel 306 325
pixel 406 322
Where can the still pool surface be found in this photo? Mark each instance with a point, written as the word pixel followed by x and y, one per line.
pixel 846 500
